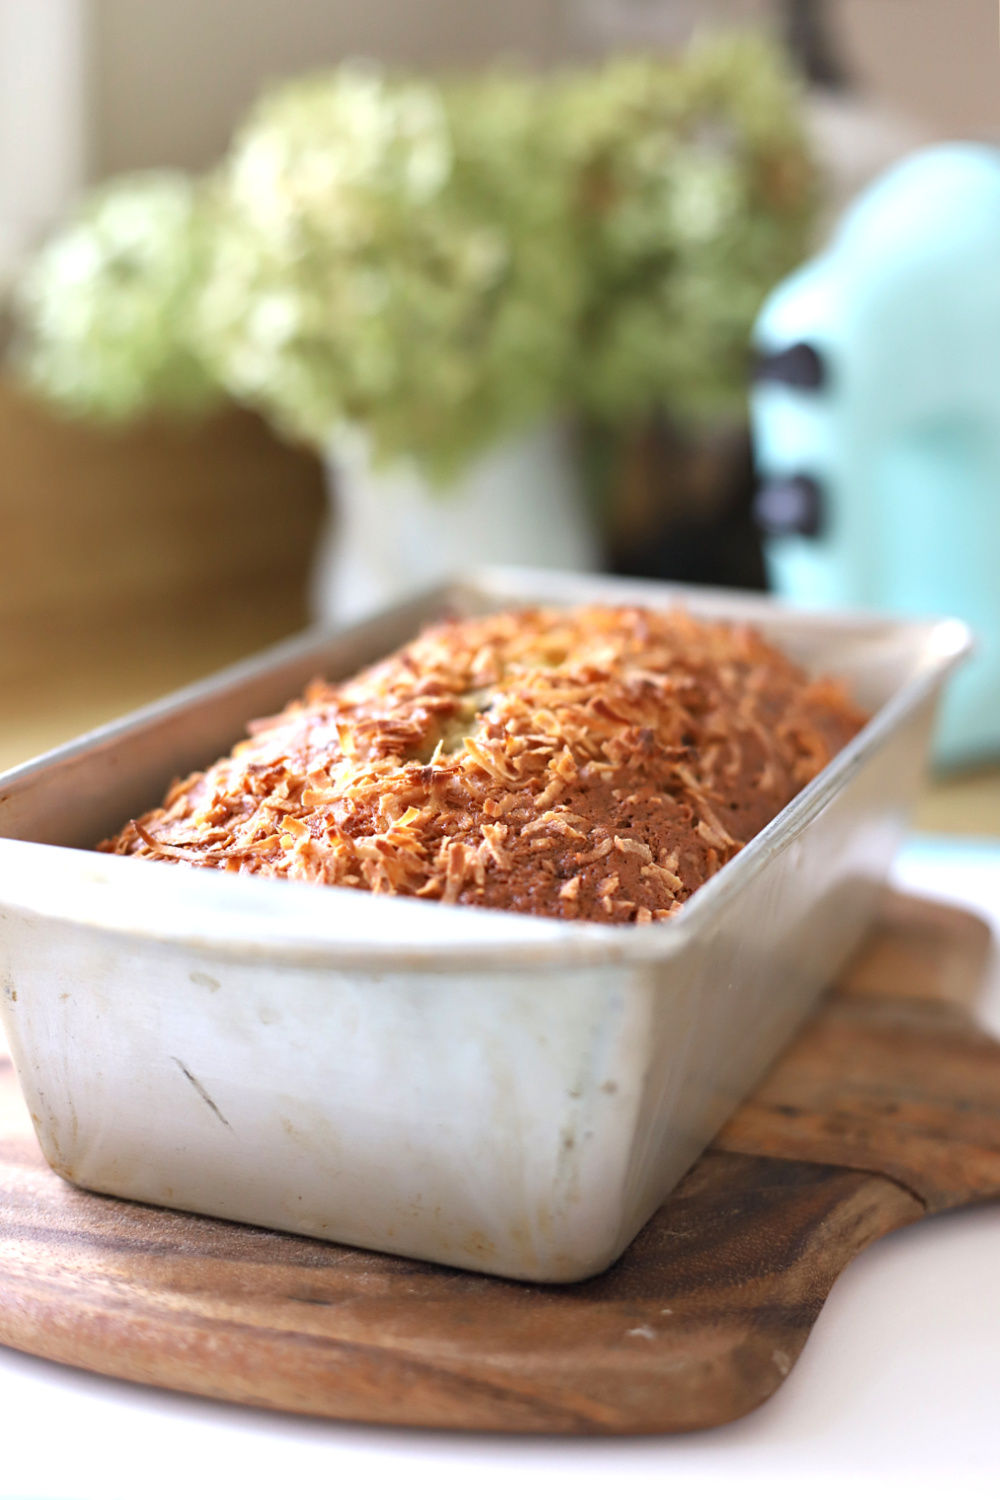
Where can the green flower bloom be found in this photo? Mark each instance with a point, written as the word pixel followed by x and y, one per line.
pixel 399 256
pixel 445 263
pixel 109 303
pixel 696 195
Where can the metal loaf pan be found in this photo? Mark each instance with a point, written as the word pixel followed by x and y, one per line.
pixel 500 1092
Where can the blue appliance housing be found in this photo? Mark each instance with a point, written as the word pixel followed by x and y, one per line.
pixel 876 418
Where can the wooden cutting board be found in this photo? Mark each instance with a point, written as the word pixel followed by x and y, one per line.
pixel 885 1109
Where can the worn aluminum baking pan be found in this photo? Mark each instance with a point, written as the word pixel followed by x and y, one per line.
pixel 494 1091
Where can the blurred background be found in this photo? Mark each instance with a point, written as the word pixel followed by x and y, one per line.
pixel 138 552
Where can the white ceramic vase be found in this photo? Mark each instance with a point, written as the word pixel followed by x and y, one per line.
pixel 390 533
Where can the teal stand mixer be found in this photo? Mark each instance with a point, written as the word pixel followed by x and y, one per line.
pixel 876 418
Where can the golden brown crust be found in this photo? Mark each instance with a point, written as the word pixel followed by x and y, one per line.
pixel 596 763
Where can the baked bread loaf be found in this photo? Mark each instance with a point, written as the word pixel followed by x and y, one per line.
pixel 597 763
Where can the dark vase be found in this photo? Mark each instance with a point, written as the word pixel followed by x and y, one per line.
pixel 675 504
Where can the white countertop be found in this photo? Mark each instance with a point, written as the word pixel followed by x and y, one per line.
pixel 898 1385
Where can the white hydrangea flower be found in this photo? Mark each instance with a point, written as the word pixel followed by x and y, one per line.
pixel 109 303
pixel 442 264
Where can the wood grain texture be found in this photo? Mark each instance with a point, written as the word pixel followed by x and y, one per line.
pixel 887 1107
pixel 135 559
pixel 890 1077
pixel 102 523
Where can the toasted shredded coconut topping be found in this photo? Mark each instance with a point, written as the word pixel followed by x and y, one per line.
pixel 597 763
